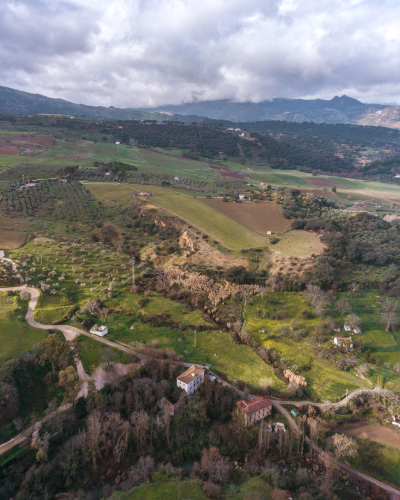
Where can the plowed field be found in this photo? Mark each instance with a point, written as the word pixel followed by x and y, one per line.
pixel 318 181
pixel 9 151
pixel 11 239
pixel 260 217
pixel 378 433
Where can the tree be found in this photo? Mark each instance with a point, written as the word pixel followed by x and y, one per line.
pixel 345 446
pixel 343 306
pixel 140 425
pixel 109 356
pixel 24 295
pixel 353 320
pixel 390 320
pixel 69 380
pixel 56 350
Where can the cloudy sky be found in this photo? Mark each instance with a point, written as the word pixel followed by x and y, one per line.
pixel 129 53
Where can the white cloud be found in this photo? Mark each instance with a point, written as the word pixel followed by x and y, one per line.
pixel 146 52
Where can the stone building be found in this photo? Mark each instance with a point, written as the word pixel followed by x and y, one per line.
pixel 255 409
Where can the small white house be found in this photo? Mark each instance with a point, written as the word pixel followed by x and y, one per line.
pixel 357 330
pixel 176 178
pixel 269 232
pixel 241 196
pixel 347 328
pixel 108 173
pixel 396 420
pixel 117 142
pixel 191 379
pixel 99 330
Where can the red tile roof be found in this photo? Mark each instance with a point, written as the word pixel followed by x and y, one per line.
pixel 254 405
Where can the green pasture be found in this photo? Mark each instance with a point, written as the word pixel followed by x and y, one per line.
pixel 324 379
pixel 253 488
pixel 105 149
pixel 267 178
pixel 92 351
pixel 235 360
pixel 16 336
pixel 179 490
pixel 162 163
pixel 293 180
pixel 377 460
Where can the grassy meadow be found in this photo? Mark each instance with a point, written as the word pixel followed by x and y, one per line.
pixel 179 490
pixel 16 336
pixel 322 375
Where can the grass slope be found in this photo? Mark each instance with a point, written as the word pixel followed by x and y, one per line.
pixel 16 336
pixel 185 490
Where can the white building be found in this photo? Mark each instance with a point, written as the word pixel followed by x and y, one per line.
pixel 191 379
pixel 345 343
pixel 117 142
pixel 99 330
pixel 396 420
pixel 357 330
pixel 347 328
pixel 241 196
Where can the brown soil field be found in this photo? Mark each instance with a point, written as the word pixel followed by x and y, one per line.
pixel 9 151
pixel 11 223
pixel 62 156
pixel 227 172
pixel 260 217
pixel 322 182
pixel 42 140
pixel 377 433
pixel 11 239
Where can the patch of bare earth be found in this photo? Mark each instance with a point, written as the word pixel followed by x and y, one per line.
pixel 200 252
pixel 377 433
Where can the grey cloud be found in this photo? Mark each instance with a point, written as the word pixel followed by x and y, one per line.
pixel 148 52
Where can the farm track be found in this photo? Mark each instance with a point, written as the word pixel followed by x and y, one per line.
pixel 71 332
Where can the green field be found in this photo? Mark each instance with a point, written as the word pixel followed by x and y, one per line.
pixel 92 352
pixel 235 360
pixel 168 164
pixel 324 379
pixel 229 233
pixel 293 180
pixel 16 336
pixel 377 460
pixel 299 244
pixel 177 490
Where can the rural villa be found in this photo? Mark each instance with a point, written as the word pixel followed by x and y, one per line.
pixel 343 343
pixel 99 330
pixel 191 379
pixel 256 409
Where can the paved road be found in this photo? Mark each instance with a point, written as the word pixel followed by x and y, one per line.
pixel 71 332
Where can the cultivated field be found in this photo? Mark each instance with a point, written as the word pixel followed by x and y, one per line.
pixel 218 226
pixel 377 433
pixel 11 239
pixel 322 181
pixel 299 244
pixel 9 223
pixel 260 217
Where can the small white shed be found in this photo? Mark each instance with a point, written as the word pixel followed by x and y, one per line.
pixel 99 330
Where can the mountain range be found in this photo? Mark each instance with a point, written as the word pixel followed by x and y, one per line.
pixel 342 109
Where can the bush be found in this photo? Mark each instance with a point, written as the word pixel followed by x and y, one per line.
pixel 212 490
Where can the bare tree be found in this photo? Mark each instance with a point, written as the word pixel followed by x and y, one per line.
pixel 140 426
pixel 345 446
pixel 93 307
pixel 343 306
pixel 353 320
pixel 396 368
pixel 389 305
pixel 390 320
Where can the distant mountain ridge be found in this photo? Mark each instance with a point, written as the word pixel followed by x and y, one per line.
pixel 17 102
pixel 341 109
pixel 337 110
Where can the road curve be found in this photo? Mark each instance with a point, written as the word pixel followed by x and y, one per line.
pixel 71 332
